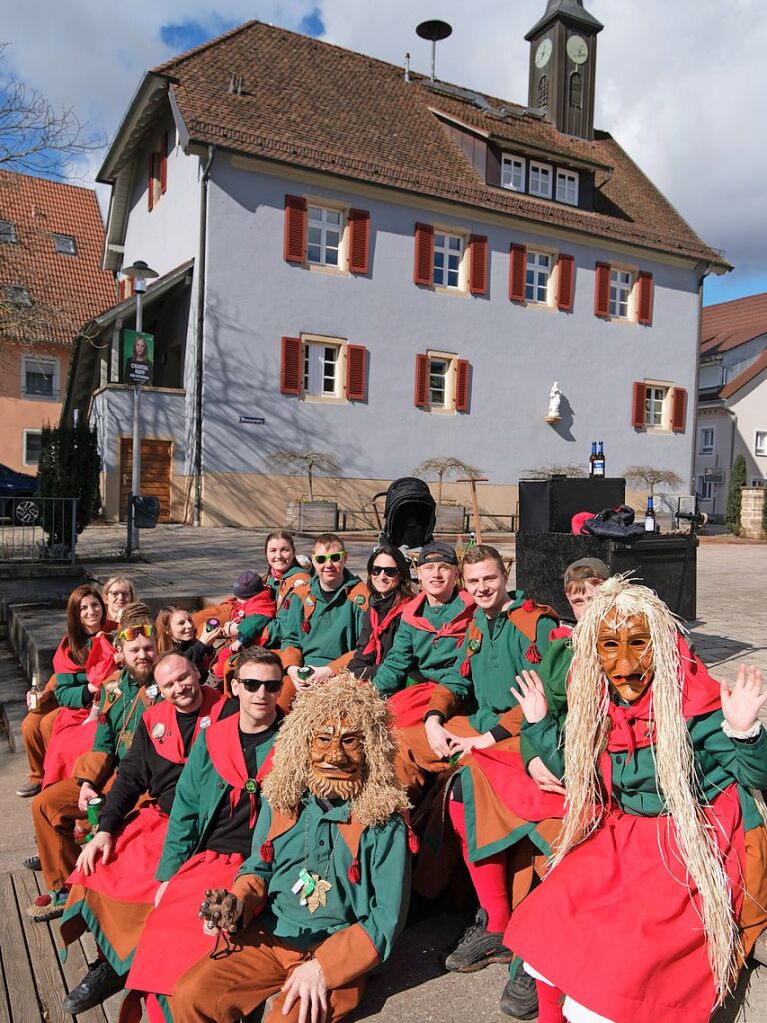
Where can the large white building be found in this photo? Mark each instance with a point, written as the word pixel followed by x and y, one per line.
pixel 359 260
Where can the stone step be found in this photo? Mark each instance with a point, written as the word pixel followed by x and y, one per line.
pixel 13 689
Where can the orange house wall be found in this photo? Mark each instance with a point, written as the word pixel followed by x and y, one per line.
pixel 18 414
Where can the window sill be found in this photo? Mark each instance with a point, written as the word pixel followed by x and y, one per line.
pixel 333 271
pixel 548 306
pixel 443 289
pixel 440 411
pixel 50 398
pixel 662 430
pixel 322 399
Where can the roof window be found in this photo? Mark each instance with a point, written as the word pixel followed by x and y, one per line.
pixel 8 231
pixel 65 244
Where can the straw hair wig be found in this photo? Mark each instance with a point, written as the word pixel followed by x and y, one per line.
pixel 342 696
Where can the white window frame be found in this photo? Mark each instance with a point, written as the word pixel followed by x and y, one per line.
pixel 451 371
pixel 447 252
pixel 537 270
pixel 35 363
pixel 615 303
pixel 705 490
pixel 515 166
pixel 317 363
pixel 760 450
pixel 26 435
pixel 667 388
pixel 536 167
pixel 341 228
pixel 703 448
pixel 566 179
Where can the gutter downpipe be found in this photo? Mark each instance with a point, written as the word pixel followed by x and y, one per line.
pixel 701 280
pixel 201 268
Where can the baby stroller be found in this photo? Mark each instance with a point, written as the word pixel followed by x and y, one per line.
pixel 409 514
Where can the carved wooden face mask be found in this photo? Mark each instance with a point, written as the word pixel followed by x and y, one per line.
pixel 336 760
pixel 625 653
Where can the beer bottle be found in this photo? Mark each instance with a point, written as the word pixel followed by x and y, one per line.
pixel 599 462
pixel 592 458
pixel 649 516
pixel 35 696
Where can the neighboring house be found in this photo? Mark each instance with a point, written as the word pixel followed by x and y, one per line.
pixel 732 398
pixel 356 259
pixel 51 282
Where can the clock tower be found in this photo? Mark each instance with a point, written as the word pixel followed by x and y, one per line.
pixel 563 58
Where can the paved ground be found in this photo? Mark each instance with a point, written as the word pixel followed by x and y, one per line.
pixel 732 627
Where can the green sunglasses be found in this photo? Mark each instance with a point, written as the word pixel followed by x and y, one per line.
pixel 335 557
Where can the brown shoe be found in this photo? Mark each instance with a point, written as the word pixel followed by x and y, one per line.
pixel 28 789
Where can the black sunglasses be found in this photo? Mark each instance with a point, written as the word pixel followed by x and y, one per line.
pixel 384 570
pixel 335 557
pixel 254 684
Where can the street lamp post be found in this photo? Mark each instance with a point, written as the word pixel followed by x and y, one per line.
pixel 139 273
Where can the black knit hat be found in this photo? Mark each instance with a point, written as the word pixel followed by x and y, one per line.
pixel 247 584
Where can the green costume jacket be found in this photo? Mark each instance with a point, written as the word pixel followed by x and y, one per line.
pixel 368 870
pixel 199 793
pixel 491 656
pixel 418 645
pixel 320 628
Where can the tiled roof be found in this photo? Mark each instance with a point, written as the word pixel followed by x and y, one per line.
pixel 728 325
pixel 756 367
pixel 315 105
pixel 66 290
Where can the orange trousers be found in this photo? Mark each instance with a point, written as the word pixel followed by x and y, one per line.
pixel 227 989
pixel 54 812
pixel 36 732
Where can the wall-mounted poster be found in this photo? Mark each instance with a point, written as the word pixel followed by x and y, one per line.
pixel 138 356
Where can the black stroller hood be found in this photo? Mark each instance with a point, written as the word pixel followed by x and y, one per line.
pixel 409 514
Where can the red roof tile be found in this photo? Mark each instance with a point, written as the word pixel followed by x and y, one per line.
pixel 728 325
pixel 315 105
pixel 66 290
pixel 733 386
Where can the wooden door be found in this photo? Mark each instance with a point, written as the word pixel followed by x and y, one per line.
pixel 155 473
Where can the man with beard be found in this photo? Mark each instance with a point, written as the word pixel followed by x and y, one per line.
pixel 209 834
pixel 112 890
pixel 320 900
pixel 125 697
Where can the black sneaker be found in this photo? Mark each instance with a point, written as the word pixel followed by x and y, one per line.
pixel 31 863
pixel 520 998
pixel 99 983
pixel 478 948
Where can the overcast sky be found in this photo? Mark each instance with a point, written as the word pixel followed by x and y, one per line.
pixel 681 84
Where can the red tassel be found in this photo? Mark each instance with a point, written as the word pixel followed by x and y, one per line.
pixel 412 840
pixel 267 852
pixel 354 873
pixel 305 626
pixel 529 605
pixel 533 654
pixel 465 668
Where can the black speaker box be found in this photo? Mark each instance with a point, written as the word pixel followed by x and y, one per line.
pixel 548 506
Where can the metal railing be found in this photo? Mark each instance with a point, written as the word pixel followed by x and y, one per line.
pixel 38 529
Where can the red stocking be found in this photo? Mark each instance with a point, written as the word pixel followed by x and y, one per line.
pixel 488 876
pixel 549 1003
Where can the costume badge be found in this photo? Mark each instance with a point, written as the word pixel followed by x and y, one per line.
pixel 158 731
pixel 309 601
pixel 113 691
pixel 205 722
pixel 474 645
pixel 152 691
pixel 359 599
pixel 250 785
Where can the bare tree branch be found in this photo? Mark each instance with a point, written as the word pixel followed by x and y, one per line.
pixel 647 476
pixel 307 462
pixel 545 472
pixel 445 466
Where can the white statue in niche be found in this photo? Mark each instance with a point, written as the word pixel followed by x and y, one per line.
pixel 555 400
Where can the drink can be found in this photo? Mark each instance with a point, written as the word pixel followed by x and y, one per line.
pixel 211 624
pixel 305 673
pixel 95 806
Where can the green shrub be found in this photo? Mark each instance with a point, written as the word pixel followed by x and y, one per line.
pixel 737 482
pixel 69 467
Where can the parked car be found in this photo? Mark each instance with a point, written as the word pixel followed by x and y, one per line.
pixel 22 487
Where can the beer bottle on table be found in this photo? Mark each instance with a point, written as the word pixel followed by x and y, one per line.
pixel 599 462
pixel 649 516
pixel 592 458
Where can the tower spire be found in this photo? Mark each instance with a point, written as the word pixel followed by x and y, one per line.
pixel 569 11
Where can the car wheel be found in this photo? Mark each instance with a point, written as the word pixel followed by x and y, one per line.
pixel 26 513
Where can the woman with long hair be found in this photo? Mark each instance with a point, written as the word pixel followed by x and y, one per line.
pixel 285 573
pixel 175 631
pixel 390 589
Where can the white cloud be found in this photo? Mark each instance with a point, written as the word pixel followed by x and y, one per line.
pixel 680 83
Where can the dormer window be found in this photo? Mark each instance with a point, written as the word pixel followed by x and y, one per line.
pixel 567 187
pixel 513 173
pixel 17 294
pixel 540 179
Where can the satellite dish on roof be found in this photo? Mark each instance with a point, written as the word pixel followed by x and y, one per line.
pixel 434 30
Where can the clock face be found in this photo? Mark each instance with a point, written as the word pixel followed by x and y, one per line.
pixel 577 50
pixel 543 53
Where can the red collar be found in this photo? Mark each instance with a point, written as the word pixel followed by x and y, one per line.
pixel 412 613
pixel 379 626
pixel 99 664
pixel 226 754
pixel 168 744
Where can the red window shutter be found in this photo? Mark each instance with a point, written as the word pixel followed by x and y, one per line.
pixel 637 408
pixel 517 272
pixel 291 368
pixel 462 386
pixel 121 295
pixel 359 237
pixel 164 164
pixel 150 183
pixel 478 265
pixel 602 291
pixel 421 396
pixel 424 254
pixel 295 228
pixel 356 360
pixel 566 285
pixel 678 409
pixel 644 305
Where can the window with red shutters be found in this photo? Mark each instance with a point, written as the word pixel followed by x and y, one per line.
pixel 566 285
pixel 478 264
pixel 644 303
pixel 295 228
pixel 421 393
pixel 678 410
pixel 291 368
pixel 462 386
pixel 424 254
pixel 637 406
pixel 517 272
pixel 150 182
pixel 163 161
pixel 602 290
pixel 359 241
pixel 356 364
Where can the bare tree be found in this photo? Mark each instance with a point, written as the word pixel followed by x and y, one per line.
pixel 300 463
pixel 648 477
pixel 446 466
pixel 545 472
